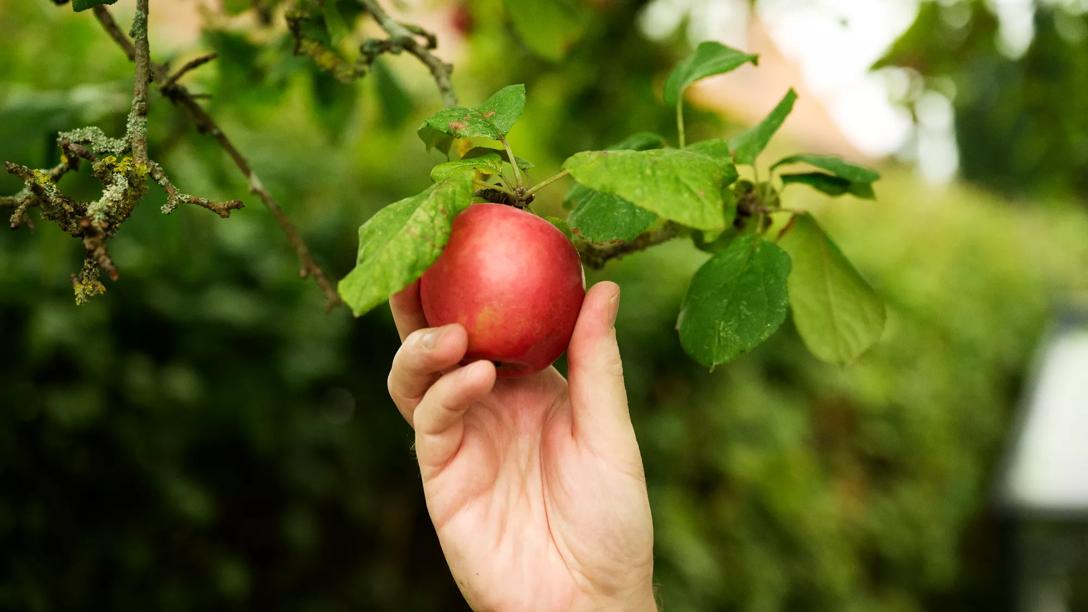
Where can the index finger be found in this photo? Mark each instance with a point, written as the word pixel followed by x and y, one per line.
pixel 407 310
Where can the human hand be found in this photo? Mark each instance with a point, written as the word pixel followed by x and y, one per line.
pixel 535 486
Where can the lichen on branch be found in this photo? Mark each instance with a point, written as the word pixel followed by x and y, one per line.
pixel 180 96
pixel 306 17
pixel 121 165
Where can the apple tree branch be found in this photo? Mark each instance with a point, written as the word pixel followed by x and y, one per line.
pixel 121 165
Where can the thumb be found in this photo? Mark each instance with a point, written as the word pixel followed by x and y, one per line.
pixel 595 372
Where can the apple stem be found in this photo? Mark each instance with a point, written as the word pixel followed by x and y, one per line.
pixel 547 181
pixel 513 161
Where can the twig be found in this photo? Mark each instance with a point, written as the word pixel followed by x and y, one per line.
pixel 23 200
pixel 205 124
pixel 179 95
pixel 122 165
pixel 136 130
pixel 595 256
pixel 106 19
pixel 432 40
pixel 192 64
pixel 401 37
pixel 405 37
pixel 54 205
pixel 174 197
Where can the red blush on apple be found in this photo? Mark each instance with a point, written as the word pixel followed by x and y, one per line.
pixel 513 281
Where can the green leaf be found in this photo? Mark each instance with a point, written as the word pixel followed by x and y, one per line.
pixel 560 225
pixel 491 120
pixel 402 240
pixel 835 165
pixel 435 139
pixel 82 5
pixel 547 27
pixel 524 164
pixel 831 185
pixel 683 186
pixel 837 313
pixel 736 300
pixel 486 164
pixel 639 141
pixel 602 217
pixel 748 145
pixel 715 242
pixel 844 178
pixel 718 149
pixel 459 122
pixel 713 147
pixel 504 107
pixel 710 58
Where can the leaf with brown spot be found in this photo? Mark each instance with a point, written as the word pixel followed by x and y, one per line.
pixel 492 119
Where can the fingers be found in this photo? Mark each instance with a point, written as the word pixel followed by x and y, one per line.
pixel 595 372
pixel 439 418
pixel 407 310
pixel 431 402
pixel 425 354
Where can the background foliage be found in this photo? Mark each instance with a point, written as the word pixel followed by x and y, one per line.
pixel 205 437
pixel 1021 115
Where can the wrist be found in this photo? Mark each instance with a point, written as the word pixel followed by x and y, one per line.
pixel 639 600
pixel 644 604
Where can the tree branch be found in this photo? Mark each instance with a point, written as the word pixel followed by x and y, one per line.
pixel 26 198
pixel 405 36
pixel 122 166
pixel 192 64
pixel 595 256
pixel 174 197
pixel 180 96
pixel 401 37
pixel 136 129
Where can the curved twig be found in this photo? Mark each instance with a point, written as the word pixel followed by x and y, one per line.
pixel 180 96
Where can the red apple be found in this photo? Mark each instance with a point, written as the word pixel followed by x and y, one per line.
pixel 513 281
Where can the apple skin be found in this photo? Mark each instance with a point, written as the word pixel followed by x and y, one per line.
pixel 513 281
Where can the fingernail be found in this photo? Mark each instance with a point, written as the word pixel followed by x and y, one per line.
pixel 429 339
pixel 614 301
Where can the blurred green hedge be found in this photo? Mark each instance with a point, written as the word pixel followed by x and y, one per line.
pixel 205 437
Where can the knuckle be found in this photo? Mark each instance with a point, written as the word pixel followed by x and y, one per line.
pixel 413 340
pixel 614 366
pixel 391 384
pixel 613 362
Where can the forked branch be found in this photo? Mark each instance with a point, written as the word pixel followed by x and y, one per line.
pixel 180 96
